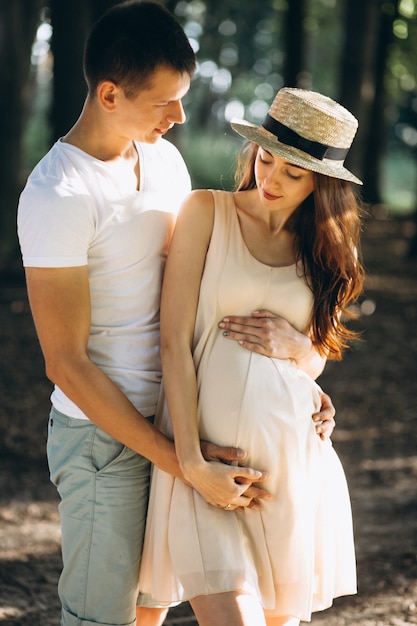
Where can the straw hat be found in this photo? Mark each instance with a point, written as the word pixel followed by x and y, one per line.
pixel 306 128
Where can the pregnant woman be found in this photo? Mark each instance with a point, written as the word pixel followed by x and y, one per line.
pixel 287 241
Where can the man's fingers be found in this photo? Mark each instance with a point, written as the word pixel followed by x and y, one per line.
pixel 227 454
pixel 327 410
pixel 325 429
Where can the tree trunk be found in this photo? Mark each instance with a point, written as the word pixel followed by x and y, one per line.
pixel 357 91
pixel 71 22
pixel 377 130
pixel 294 44
pixel 18 22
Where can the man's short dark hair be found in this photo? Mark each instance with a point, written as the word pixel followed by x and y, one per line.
pixel 130 41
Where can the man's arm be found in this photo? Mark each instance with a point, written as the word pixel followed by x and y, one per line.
pixel 60 304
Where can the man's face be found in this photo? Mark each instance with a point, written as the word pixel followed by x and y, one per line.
pixel 154 110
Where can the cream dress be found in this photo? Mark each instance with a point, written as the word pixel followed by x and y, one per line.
pixel 296 554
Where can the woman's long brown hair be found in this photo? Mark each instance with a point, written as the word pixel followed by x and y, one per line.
pixel 327 228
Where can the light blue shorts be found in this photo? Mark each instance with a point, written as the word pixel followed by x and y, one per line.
pixel 104 489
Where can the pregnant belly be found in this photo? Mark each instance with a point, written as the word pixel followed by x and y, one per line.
pixel 252 401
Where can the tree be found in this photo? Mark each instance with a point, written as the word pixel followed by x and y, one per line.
pixel 376 139
pixel 295 61
pixel 357 51
pixel 357 74
pixel 71 23
pixel 16 38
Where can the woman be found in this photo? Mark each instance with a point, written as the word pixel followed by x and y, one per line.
pixel 286 239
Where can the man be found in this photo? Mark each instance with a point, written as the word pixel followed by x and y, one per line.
pixel 95 221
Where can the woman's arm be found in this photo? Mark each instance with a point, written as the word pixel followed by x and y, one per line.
pixel 216 482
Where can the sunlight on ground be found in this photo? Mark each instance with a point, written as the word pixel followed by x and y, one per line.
pixel 8 612
pixel 28 529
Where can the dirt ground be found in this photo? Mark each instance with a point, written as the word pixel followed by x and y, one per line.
pixel 374 390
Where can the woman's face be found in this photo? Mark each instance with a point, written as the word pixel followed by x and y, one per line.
pixel 281 184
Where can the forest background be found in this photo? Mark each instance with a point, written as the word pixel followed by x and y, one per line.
pixel 363 53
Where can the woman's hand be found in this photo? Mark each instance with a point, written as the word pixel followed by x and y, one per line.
pixel 222 485
pixel 273 336
pixel 267 334
pixel 253 493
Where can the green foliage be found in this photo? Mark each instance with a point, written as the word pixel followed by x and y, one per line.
pixel 323 27
pixel 211 159
pixel 241 52
pixel 402 66
pixel 399 181
pixel 240 57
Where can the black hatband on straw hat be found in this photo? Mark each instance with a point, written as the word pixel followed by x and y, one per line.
pixel 313 148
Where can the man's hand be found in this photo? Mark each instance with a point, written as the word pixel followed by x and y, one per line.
pixel 230 455
pixel 324 419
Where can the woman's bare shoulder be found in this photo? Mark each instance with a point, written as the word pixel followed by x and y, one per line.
pixel 199 203
pixel 200 197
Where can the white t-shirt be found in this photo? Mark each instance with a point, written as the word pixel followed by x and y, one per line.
pixel 77 210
